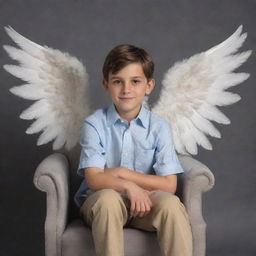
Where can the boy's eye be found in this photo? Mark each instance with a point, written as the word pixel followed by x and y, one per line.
pixel 136 81
pixel 116 81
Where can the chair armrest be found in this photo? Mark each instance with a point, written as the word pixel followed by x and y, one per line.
pixel 197 178
pixel 52 177
pixel 196 172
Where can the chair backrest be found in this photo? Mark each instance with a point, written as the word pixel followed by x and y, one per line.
pixel 75 181
pixel 73 158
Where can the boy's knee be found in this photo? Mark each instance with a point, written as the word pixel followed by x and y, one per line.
pixel 109 198
pixel 166 201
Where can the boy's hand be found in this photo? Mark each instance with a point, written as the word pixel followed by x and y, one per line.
pixel 140 200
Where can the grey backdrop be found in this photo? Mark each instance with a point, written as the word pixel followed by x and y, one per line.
pixel 169 31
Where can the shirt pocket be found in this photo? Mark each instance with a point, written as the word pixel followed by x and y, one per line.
pixel 144 160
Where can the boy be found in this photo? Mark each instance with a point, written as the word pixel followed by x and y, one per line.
pixel 129 163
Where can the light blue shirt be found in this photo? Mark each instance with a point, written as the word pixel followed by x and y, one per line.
pixel 144 146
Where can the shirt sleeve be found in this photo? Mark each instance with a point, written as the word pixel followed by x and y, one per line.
pixel 92 153
pixel 167 161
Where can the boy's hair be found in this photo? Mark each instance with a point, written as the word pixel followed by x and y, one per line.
pixel 124 54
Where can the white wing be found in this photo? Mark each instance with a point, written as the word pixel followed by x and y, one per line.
pixel 58 83
pixel 193 88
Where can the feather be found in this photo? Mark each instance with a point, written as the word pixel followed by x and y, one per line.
pixel 24 58
pixel 212 113
pixel 26 74
pixel 35 110
pixel 204 125
pixel 40 124
pixel 28 91
pixel 24 43
pixel 48 135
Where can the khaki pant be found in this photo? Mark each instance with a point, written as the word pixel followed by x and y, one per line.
pixel 106 211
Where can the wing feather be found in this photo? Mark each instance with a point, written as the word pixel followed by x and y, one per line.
pixel 28 46
pixel 28 91
pixel 228 80
pixel 48 135
pixel 26 74
pixel 25 59
pixel 36 110
pixel 212 113
pixel 40 124
pixel 204 125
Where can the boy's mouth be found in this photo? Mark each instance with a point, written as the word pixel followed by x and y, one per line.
pixel 126 98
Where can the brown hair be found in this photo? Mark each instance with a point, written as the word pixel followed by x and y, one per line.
pixel 124 54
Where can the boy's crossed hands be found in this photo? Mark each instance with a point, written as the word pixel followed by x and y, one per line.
pixel 140 198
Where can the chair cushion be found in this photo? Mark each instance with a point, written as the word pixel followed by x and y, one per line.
pixel 77 240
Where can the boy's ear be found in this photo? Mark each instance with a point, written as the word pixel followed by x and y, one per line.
pixel 150 87
pixel 105 84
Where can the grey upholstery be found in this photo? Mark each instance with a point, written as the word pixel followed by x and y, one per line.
pixel 65 236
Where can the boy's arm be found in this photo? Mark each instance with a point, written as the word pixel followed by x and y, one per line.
pixel 150 182
pixel 98 179
pixel 146 181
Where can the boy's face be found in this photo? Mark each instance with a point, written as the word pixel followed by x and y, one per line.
pixel 127 89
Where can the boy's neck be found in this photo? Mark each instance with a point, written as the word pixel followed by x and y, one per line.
pixel 128 116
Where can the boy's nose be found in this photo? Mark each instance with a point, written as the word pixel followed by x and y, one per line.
pixel 126 87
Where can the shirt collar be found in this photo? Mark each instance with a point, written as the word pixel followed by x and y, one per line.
pixel 113 116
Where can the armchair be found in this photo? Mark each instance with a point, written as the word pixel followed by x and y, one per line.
pixel 67 235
